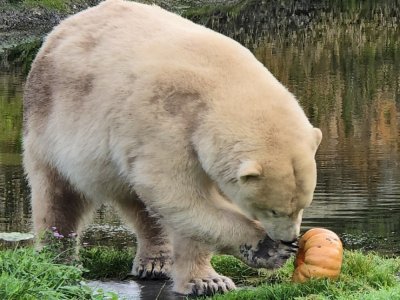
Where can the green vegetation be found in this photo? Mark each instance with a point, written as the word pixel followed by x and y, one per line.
pixel 59 5
pixel 197 9
pixel 56 5
pixel 26 274
pixel 17 54
pixel 106 262
pixel 364 276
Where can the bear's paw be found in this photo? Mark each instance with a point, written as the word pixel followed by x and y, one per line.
pixel 152 268
pixel 268 253
pixel 208 286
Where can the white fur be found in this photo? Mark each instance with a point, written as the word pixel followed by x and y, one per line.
pixel 173 110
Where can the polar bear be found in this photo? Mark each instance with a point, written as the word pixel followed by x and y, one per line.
pixel 180 128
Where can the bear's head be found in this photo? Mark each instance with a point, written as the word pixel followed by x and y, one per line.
pixel 275 189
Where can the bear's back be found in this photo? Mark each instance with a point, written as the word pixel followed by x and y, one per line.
pixel 119 30
pixel 119 42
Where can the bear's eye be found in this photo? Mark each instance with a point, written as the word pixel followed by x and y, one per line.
pixel 249 178
pixel 274 213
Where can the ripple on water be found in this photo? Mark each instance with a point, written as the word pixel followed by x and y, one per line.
pixel 144 290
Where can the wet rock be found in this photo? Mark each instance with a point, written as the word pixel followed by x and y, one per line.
pixel 12 239
pixel 15 236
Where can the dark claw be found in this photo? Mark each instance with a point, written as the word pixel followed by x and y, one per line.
pixel 144 274
pixel 291 244
pixel 139 275
pixel 293 250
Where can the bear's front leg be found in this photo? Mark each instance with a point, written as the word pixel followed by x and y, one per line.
pixel 194 209
pixel 192 271
pixel 153 257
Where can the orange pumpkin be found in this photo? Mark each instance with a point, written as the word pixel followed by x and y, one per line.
pixel 320 255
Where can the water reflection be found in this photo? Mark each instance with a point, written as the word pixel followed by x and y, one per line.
pixel 348 82
pixel 14 206
pixel 138 289
pixel 342 61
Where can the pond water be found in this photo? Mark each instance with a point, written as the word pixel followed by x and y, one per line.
pixel 342 63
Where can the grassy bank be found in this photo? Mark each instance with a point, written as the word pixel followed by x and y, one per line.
pixel 56 5
pixel 59 5
pixel 197 6
pixel 24 20
pixel 364 276
pixel 26 274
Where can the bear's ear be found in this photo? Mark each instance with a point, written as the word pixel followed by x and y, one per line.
pixel 318 136
pixel 249 169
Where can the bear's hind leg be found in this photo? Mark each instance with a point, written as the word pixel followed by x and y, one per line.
pixel 192 270
pixel 56 205
pixel 153 259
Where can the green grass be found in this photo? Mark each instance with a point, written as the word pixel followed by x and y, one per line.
pixel 197 10
pixel 58 5
pixel 106 263
pixel 62 6
pixel 364 276
pixel 25 274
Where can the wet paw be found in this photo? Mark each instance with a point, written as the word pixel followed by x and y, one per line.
pixel 268 253
pixel 152 268
pixel 210 285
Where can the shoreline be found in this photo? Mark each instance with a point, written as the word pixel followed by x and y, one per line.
pixel 20 22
